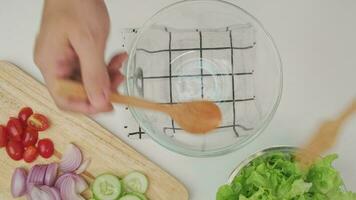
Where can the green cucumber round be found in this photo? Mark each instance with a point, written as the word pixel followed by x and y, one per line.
pixel 107 187
pixel 135 182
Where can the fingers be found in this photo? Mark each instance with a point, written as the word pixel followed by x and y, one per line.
pixel 116 80
pixel 94 72
pixel 114 70
pixel 70 45
pixel 75 105
pixel 117 61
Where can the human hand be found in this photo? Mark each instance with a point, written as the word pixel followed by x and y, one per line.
pixel 71 45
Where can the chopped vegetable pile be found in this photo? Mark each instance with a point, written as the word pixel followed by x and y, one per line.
pixel 276 176
pixel 62 181
pixel 55 181
pixel 20 136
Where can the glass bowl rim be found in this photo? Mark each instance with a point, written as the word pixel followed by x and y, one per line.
pixel 219 151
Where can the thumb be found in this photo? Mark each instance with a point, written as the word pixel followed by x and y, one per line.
pixel 94 72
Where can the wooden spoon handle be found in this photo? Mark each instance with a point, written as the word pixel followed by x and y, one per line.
pixel 137 102
pixel 324 138
pixel 347 113
pixel 68 88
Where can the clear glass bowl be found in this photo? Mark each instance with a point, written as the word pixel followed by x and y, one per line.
pixel 205 49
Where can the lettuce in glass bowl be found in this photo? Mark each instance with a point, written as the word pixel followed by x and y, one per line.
pixel 273 174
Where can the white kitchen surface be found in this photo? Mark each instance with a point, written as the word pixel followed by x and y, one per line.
pixel 317 43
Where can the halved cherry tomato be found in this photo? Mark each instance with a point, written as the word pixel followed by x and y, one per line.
pixel 14 129
pixel 30 137
pixel 38 122
pixel 31 153
pixel 24 114
pixel 15 149
pixel 4 137
pixel 45 148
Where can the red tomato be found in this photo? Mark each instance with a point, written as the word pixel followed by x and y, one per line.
pixel 4 138
pixel 31 153
pixel 38 122
pixel 15 150
pixel 14 129
pixel 24 114
pixel 45 148
pixel 30 137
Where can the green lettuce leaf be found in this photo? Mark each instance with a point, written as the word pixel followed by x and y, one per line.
pixel 276 176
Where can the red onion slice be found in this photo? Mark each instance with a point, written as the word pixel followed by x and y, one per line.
pixel 35 193
pixel 29 187
pixel 30 176
pixel 68 190
pixel 51 174
pixel 41 174
pixel 71 159
pixel 50 193
pixel 60 180
pixel 56 193
pixel 80 184
pixel 46 193
pixel 18 182
pixel 84 166
pixel 37 174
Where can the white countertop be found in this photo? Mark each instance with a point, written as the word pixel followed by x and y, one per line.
pixel 317 43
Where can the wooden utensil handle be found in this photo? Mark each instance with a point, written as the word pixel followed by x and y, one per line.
pixel 347 113
pixel 137 102
pixel 68 88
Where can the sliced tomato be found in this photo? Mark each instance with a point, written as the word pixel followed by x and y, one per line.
pixel 31 153
pixel 24 114
pixel 30 137
pixel 45 148
pixel 4 137
pixel 15 150
pixel 14 129
pixel 38 122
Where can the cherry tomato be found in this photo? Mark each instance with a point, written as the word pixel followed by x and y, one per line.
pixel 4 137
pixel 45 148
pixel 14 129
pixel 24 114
pixel 38 122
pixel 15 150
pixel 31 153
pixel 30 137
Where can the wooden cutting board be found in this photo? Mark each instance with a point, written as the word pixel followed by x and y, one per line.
pixel 108 153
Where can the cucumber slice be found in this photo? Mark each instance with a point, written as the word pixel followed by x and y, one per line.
pixel 106 187
pixel 139 195
pixel 135 182
pixel 130 197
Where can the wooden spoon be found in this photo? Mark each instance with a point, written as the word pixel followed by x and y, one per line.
pixel 324 138
pixel 195 117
